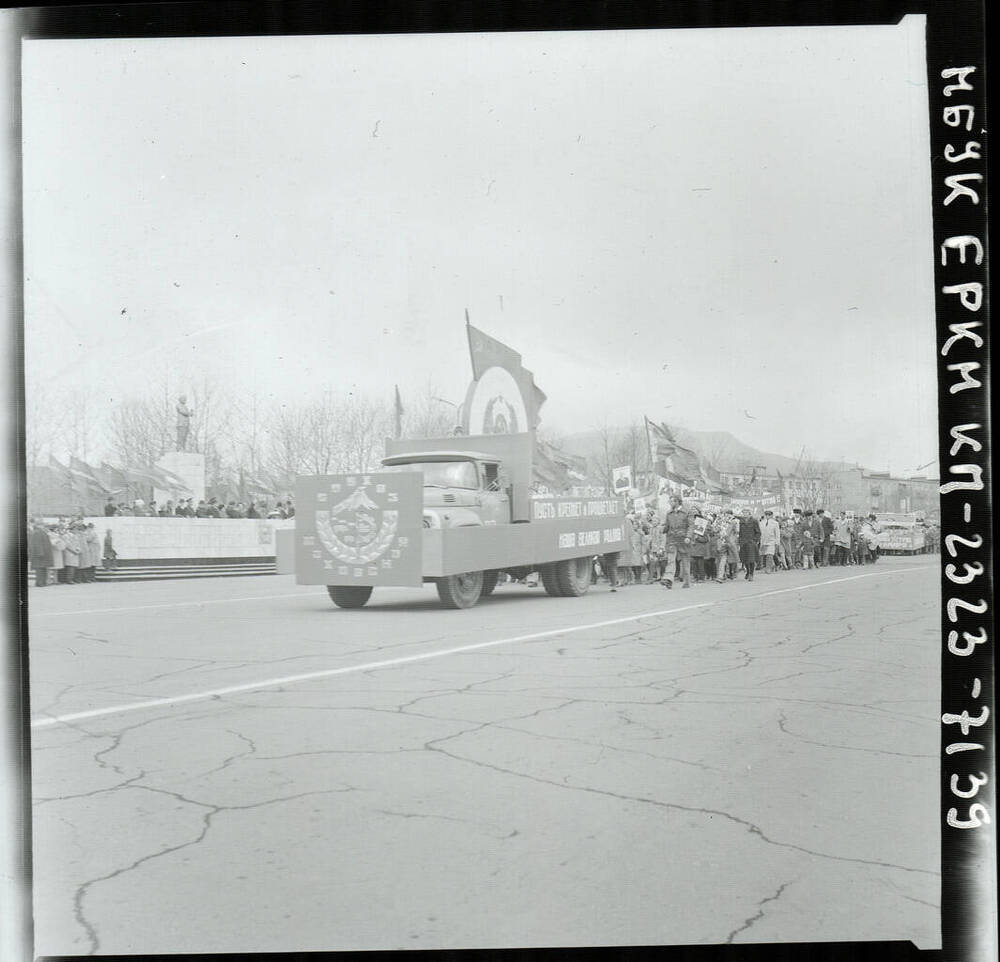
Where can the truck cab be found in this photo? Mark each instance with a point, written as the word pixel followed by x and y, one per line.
pixel 461 488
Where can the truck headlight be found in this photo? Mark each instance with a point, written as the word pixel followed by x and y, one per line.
pixel 431 520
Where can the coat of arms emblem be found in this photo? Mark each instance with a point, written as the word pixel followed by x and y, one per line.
pixel 357 530
pixel 500 417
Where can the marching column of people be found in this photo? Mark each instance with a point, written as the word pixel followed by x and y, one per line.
pixel 691 546
pixel 685 545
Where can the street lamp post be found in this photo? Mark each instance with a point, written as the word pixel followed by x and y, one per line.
pixel 458 412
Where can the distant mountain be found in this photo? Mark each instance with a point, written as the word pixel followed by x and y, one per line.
pixel 720 448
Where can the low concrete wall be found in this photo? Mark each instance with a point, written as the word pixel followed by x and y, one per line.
pixel 284 554
pixel 149 538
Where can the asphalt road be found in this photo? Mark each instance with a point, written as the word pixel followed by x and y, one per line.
pixel 234 765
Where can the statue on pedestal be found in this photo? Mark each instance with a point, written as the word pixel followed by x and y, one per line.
pixel 184 414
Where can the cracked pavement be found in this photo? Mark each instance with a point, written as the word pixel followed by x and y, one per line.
pixel 762 769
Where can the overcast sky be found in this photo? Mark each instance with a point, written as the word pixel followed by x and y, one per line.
pixel 725 229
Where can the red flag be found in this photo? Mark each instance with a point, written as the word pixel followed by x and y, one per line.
pixel 256 486
pixel 682 464
pixel 548 469
pixel 576 466
pixel 61 471
pixel 114 478
pixel 661 442
pixel 167 480
pixel 86 479
pixel 487 352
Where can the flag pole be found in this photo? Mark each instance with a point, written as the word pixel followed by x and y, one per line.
pixel 468 338
pixel 649 448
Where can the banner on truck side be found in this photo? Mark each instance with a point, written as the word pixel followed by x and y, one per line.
pixel 359 529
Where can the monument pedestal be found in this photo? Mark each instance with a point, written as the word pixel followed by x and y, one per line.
pixel 189 466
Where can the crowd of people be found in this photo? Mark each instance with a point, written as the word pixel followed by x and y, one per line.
pixel 692 546
pixel 687 544
pixel 67 552
pixel 212 508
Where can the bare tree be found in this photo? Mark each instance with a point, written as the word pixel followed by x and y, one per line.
pixel 429 415
pixel 818 477
pixel 631 447
pixel 327 435
pixel 620 447
pixel 211 421
pixel 245 442
pixel 79 422
pixel 365 425
pixel 285 450
pixel 44 421
pixel 600 463
pixel 141 430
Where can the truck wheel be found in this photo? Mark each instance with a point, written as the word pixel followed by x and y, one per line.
pixel 460 591
pixel 573 577
pixel 349 596
pixel 549 580
pixel 490 579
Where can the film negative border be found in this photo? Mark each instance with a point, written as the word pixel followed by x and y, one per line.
pixel 956 100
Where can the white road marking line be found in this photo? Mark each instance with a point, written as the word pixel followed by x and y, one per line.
pixel 426 656
pixel 172 604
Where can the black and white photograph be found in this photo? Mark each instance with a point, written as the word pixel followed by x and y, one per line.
pixel 483 489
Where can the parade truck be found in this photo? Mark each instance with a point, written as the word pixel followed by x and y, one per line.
pixel 458 512
pixel 901 533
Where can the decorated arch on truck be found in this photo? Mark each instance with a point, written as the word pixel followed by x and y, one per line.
pixel 503 397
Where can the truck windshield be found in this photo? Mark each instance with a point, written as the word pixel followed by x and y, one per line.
pixel 443 474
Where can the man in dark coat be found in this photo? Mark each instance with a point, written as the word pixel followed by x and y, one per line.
pixel 749 542
pixel 678 530
pixel 827 524
pixel 816 527
pixel 39 552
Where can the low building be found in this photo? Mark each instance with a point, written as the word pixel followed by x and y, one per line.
pixel 791 490
pixel 861 490
pixel 852 489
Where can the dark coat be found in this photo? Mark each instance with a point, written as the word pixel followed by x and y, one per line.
pixel 677 526
pixel 827 527
pixel 39 548
pixel 749 531
pixel 749 541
